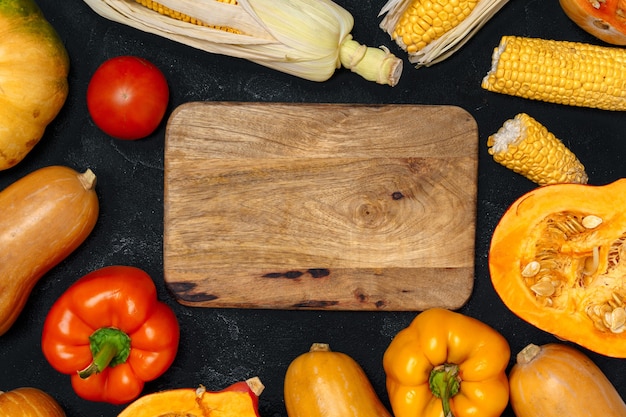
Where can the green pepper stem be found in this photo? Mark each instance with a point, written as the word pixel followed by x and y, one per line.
pixel 109 347
pixel 444 382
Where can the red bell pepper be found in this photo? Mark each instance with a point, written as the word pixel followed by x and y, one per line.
pixel 111 334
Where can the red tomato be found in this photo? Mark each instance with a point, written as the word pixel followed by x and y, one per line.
pixel 127 97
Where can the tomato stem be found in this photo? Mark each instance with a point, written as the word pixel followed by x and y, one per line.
pixel 445 383
pixel 109 347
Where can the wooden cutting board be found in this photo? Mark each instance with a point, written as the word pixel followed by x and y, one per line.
pixel 320 206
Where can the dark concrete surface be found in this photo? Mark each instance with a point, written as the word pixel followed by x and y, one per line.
pixel 219 347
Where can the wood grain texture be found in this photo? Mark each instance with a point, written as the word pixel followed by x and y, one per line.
pixel 320 206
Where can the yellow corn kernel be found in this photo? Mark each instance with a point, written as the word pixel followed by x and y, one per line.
pixel 165 11
pixel 562 72
pixel 426 20
pixel 527 147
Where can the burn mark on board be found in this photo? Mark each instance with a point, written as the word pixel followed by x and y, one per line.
pixel 198 297
pixel 363 298
pixel 294 274
pixel 313 304
pixel 178 287
pixel 185 292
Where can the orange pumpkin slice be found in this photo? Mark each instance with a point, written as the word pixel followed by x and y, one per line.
pixel 558 260
pixel 604 19
pixel 238 400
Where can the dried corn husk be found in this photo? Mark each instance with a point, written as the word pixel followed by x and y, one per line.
pixel 451 41
pixel 306 38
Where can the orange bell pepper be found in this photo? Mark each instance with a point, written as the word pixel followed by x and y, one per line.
pixel 446 364
pixel 111 334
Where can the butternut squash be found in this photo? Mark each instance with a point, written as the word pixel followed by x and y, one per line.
pixel 46 215
pixel 556 380
pixel 29 402
pixel 322 383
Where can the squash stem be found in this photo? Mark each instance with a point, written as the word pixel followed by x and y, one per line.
pixel 444 382
pixel 109 347
pixel 527 354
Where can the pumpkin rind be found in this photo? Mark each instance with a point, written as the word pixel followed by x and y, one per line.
pixel 559 275
pixel 29 402
pixel 556 380
pixel 34 66
pixel 604 19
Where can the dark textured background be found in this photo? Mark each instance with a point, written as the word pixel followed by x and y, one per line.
pixel 219 347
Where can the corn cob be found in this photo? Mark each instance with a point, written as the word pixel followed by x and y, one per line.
pixel 306 38
pixel 159 8
pixel 527 147
pixel 432 30
pixel 561 72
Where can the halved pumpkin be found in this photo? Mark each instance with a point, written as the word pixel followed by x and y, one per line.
pixel 604 19
pixel 558 260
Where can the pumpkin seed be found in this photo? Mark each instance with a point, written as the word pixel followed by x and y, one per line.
pixel 598 323
pixel 607 316
pixel 618 320
pixel 570 225
pixel 592 262
pixel 531 269
pixel 543 288
pixel 591 221
pixel 613 303
pixel 600 315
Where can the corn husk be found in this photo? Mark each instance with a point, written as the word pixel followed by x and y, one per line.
pixel 451 41
pixel 309 39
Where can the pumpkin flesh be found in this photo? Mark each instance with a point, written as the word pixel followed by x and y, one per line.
pixel 558 260
pixel 238 400
pixel 604 19
pixel 34 65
